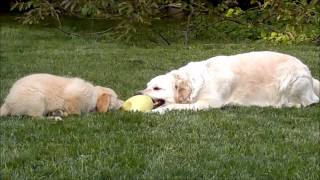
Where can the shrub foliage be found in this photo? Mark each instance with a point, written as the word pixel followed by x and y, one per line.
pixel 283 21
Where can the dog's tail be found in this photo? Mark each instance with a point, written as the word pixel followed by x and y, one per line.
pixel 4 110
pixel 316 87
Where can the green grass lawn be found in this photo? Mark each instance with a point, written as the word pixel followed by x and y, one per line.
pixel 228 143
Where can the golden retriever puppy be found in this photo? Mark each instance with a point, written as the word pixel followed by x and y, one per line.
pixel 39 95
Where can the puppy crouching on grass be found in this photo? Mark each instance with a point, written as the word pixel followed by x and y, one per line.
pixel 41 95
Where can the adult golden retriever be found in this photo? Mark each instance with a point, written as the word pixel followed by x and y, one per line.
pixel 262 78
pixel 39 95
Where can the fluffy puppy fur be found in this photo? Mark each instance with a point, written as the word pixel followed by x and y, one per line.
pixel 250 79
pixel 38 95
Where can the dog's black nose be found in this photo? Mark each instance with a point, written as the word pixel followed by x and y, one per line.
pixel 139 93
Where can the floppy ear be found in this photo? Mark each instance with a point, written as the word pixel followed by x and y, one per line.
pixel 103 102
pixel 187 86
pixel 182 90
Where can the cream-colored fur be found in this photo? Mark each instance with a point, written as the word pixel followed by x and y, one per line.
pixel 251 79
pixel 38 95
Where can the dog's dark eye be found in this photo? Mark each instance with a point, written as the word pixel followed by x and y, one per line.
pixel 156 88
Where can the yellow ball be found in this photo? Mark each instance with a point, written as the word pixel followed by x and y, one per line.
pixel 138 103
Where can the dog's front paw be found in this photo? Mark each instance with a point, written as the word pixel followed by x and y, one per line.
pixel 160 110
pixel 56 118
pixel 57 114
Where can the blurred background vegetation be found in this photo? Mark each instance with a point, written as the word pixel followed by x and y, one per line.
pixel 169 21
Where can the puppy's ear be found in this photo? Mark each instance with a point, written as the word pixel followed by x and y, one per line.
pixel 182 90
pixel 103 102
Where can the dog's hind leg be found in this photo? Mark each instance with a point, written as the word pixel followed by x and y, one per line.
pixel 302 93
pixel 4 110
pixel 73 105
pixel 316 87
pixel 37 111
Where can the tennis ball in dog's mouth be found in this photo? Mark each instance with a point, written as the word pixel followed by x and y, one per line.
pixel 138 103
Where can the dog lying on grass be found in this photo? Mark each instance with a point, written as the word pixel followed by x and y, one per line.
pixel 40 95
pixel 251 79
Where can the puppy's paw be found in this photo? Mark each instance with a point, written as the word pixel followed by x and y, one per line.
pixel 57 115
pixel 56 118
